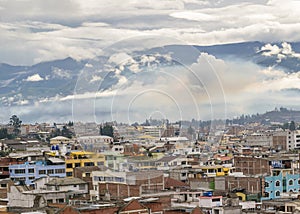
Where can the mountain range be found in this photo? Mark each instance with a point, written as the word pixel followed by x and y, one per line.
pixel 26 85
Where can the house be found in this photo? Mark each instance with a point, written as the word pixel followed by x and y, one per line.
pixel 85 173
pixel 95 143
pixel 75 185
pixel 4 187
pixel 29 171
pixel 134 206
pixel 4 165
pixel 48 190
pixel 113 183
pixel 82 159
pixel 170 162
pixel 281 185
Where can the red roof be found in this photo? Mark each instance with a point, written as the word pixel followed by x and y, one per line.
pixel 133 205
pixel 170 182
pixel 197 210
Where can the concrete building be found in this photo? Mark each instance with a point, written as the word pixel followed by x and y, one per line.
pixel 277 186
pixel 293 140
pixel 259 139
pixel 95 143
pixel 51 190
pixel 252 165
pixel 82 159
pixel 29 171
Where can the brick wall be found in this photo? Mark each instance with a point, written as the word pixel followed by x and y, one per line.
pixel 118 191
pixel 251 166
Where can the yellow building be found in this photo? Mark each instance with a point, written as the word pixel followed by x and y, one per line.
pixel 82 159
pixel 210 171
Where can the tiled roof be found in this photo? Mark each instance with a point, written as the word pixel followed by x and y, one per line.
pixel 133 205
pixel 197 210
pixel 170 182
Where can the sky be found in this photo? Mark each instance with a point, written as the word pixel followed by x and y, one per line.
pixel 34 31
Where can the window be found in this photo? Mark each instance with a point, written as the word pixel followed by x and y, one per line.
pixel 19 171
pixel 119 179
pixel 50 171
pixel 100 163
pixel 31 178
pixel 77 165
pixel 211 170
pixel 58 171
pixel 42 172
pixel 82 187
pixel 30 170
pixel 20 179
pixel 266 184
pixel 74 185
pixel 291 182
pixel 69 165
pixel 49 201
pixel 277 193
pixel 277 183
pixel 266 194
pixel 89 164
pixel 61 200
pixel 69 174
pixel 3 185
pixel 215 200
pixel 87 174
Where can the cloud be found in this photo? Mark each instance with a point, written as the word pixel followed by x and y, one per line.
pixel 34 78
pixel 280 52
pixel 39 32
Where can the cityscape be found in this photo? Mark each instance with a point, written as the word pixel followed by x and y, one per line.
pixel 149 107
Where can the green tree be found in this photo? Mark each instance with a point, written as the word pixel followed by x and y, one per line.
pixel 66 132
pixel 107 130
pixel 15 122
pixel 3 133
pixel 292 126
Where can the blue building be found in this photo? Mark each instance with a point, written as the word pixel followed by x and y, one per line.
pixel 275 186
pixel 30 171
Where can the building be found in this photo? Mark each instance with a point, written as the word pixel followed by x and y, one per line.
pixel 82 159
pixel 280 140
pixel 95 143
pixel 59 140
pixel 51 190
pixel 259 139
pixel 252 165
pixel 281 185
pixel 293 140
pixel 4 165
pixel 113 184
pixel 29 171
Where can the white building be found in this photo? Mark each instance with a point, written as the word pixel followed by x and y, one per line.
pixel 293 140
pixel 95 143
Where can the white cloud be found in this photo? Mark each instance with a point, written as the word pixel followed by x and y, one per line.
pixel 85 29
pixel 60 73
pixel 34 78
pixel 280 52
